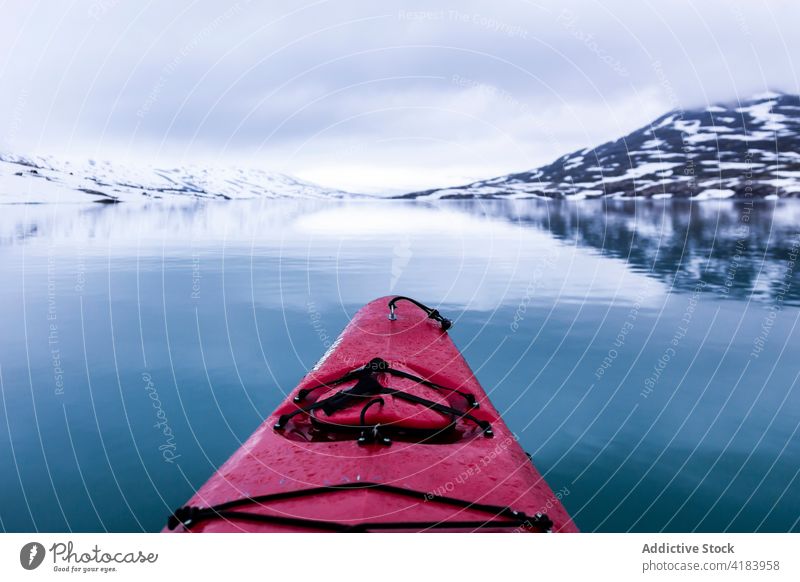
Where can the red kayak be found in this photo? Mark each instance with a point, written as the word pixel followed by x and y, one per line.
pixel 390 431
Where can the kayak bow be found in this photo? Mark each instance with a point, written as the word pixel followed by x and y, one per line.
pixel 390 431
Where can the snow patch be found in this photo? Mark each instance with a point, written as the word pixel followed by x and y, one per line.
pixel 714 194
pixel 687 125
pixel 762 113
pixel 653 143
pixel 765 95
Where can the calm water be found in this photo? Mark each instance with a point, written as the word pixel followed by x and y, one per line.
pixel 645 353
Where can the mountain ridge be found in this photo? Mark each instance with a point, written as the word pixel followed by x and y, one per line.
pixel 742 150
pixel 31 180
pixel 748 149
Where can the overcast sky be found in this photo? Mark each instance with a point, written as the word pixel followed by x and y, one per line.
pixel 373 96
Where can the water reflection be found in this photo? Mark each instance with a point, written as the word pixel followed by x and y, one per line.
pixel 739 250
pixel 222 307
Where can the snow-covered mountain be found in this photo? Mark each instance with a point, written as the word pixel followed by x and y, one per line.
pixel 736 150
pixel 42 180
pixel 741 150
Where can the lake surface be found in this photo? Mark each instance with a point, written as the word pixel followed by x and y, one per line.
pixel 645 353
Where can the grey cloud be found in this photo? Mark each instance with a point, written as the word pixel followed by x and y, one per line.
pixel 415 85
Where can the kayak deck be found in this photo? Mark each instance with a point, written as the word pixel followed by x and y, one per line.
pixel 390 431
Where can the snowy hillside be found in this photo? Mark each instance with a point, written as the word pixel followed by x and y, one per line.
pixel 42 180
pixel 747 149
